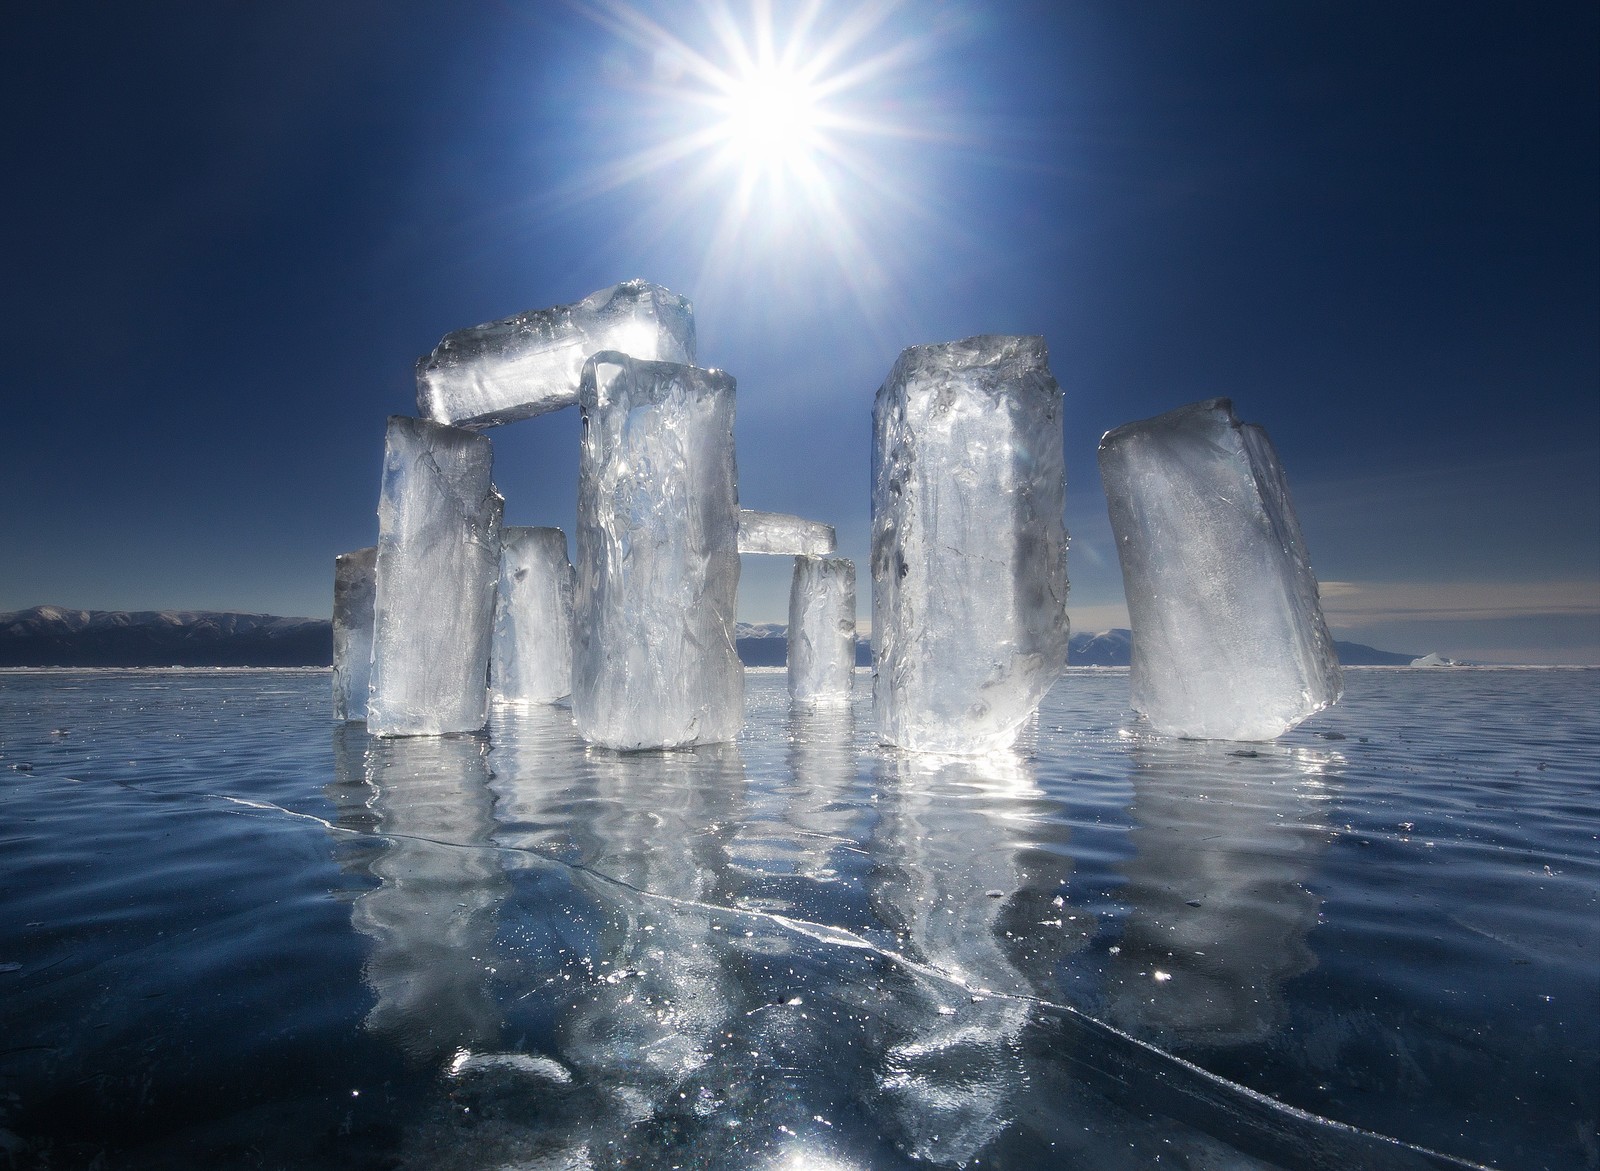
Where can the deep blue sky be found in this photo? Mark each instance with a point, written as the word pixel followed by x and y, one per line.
pixel 231 227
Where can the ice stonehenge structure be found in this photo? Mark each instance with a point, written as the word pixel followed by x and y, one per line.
pixel 968 561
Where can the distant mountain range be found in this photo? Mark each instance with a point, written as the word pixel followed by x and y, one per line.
pixel 51 636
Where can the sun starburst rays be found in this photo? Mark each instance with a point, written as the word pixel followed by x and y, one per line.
pixel 771 135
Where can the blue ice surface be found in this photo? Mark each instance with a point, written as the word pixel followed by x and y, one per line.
pixel 235 933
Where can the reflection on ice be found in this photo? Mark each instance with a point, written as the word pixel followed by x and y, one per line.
pixel 948 860
pixel 1219 917
pixel 834 956
pixel 431 916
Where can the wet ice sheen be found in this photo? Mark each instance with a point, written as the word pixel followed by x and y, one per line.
pixel 512 950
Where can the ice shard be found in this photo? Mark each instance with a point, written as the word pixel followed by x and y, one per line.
pixel 354 583
pixel 530 363
pixel 969 573
pixel 653 663
pixel 1229 641
pixel 530 660
pixel 822 630
pixel 778 533
pixel 437 563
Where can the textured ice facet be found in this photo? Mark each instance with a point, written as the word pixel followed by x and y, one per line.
pixel 654 663
pixel 438 559
pixel 1228 637
pixel 531 657
pixel 969 572
pixel 529 364
pixel 784 535
pixel 822 630
pixel 354 583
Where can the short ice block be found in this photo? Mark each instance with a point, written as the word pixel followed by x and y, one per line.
pixel 969 572
pixel 438 560
pixel 783 535
pixel 531 657
pixel 529 364
pixel 354 583
pixel 654 663
pixel 1229 641
pixel 822 631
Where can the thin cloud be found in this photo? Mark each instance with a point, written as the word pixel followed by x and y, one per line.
pixel 1354 603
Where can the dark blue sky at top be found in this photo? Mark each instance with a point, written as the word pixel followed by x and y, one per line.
pixel 231 228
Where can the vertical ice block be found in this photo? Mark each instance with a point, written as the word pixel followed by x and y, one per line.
pixel 531 657
pixel 969 573
pixel 354 582
pixel 776 532
pixel 530 363
pixel 438 559
pixel 654 664
pixel 822 630
pixel 1228 637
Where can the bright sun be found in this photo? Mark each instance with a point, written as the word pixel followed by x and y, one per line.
pixel 771 119
pixel 775 123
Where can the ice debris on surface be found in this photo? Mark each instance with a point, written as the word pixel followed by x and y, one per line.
pixel 654 662
pixel 822 630
pixel 437 564
pixel 1229 642
pixel 783 535
pixel 530 659
pixel 530 363
pixel 969 574
pixel 354 587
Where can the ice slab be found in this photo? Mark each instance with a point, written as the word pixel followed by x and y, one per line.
pixel 530 659
pixel 784 535
pixel 654 663
pixel 969 572
pixel 822 631
pixel 530 363
pixel 1229 641
pixel 354 586
pixel 438 560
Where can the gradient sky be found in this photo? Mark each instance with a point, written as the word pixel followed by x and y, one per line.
pixel 232 227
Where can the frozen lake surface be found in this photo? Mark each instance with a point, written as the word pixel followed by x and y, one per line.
pixel 236 934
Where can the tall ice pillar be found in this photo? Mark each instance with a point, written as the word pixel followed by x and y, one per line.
pixel 437 563
pixel 822 630
pixel 1228 637
pixel 654 663
pixel 531 656
pixel 969 574
pixel 354 584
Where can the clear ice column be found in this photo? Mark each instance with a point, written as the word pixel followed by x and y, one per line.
pixel 822 630
pixel 437 563
pixel 654 663
pixel 354 584
pixel 969 573
pixel 1228 637
pixel 531 656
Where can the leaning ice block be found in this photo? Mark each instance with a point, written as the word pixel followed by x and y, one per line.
pixel 822 630
pixel 531 656
pixel 1228 637
pixel 784 535
pixel 653 663
pixel 530 363
pixel 969 573
pixel 438 558
pixel 354 583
